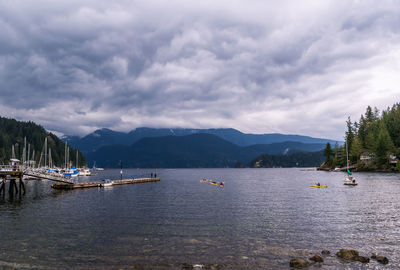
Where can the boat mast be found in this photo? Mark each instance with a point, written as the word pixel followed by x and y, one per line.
pixel 12 152
pixel 50 160
pixel 27 156
pixel 65 156
pixel 24 153
pixel 68 161
pixel 347 156
pixel 45 152
pixel 33 158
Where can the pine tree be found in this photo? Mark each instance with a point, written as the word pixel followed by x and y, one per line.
pixel 356 150
pixel 362 131
pixel 328 153
pixel 384 144
pixel 349 133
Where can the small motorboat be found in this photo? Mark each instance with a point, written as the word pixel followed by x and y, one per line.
pixel 107 183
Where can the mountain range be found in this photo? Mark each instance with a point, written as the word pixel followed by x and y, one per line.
pixel 199 150
pixel 104 137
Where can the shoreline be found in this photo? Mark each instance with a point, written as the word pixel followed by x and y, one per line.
pixel 331 169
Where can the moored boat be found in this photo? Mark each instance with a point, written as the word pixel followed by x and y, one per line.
pixel 349 179
pixel 73 172
pixel 85 172
pixel 107 183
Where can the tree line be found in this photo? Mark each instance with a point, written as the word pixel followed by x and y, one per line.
pixel 373 142
pixel 13 134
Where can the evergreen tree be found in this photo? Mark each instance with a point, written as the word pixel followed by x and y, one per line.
pixel 372 135
pixel 384 144
pixel 362 131
pixel 369 115
pixel 356 150
pixel 391 117
pixel 349 133
pixel 328 153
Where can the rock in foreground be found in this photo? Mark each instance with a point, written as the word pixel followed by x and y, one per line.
pixel 351 255
pixel 299 263
pixel 382 259
pixel 325 252
pixel 317 258
pixel 347 254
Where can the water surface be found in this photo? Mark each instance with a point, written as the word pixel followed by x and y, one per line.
pixel 260 220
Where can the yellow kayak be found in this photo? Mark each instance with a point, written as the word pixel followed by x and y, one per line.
pixel 318 186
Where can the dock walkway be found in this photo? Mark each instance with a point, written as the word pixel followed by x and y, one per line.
pixel 49 177
pixel 100 183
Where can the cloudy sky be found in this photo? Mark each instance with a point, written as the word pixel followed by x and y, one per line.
pixel 294 67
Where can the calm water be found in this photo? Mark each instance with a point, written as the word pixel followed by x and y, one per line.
pixel 260 220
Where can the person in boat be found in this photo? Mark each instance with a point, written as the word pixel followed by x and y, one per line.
pixel 318 184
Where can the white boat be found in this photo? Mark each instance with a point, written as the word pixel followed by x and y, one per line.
pixel 107 183
pixel 73 172
pixel 85 172
pixel 349 182
pixel 349 179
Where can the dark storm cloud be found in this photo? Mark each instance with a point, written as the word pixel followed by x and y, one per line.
pixel 75 66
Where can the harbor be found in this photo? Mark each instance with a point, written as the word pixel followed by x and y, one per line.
pixel 16 172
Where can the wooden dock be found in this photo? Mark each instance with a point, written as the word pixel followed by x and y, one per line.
pixel 12 175
pixel 101 182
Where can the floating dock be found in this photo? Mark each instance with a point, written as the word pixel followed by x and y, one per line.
pixel 101 182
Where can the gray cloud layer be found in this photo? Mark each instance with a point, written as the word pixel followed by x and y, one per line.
pixel 294 67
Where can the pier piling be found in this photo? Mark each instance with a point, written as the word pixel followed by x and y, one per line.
pixel 21 185
pixel 12 187
pixel 2 186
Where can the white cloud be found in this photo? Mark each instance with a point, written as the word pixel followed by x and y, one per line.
pixel 259 66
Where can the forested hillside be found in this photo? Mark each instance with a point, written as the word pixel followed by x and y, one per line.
pixel 299 159
pixel 373 142
pixel 13 133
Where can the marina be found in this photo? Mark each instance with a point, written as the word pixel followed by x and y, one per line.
pixel 16 172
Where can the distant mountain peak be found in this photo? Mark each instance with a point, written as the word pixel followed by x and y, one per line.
pixel 105 136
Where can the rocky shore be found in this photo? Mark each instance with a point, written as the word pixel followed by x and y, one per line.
pixel 346 255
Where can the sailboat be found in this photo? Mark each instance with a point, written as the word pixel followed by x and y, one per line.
pixel 349 179
pixel 97 169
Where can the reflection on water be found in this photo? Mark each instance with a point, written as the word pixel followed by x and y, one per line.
pixel 261 219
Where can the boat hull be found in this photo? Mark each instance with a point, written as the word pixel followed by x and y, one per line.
pixel 350 184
